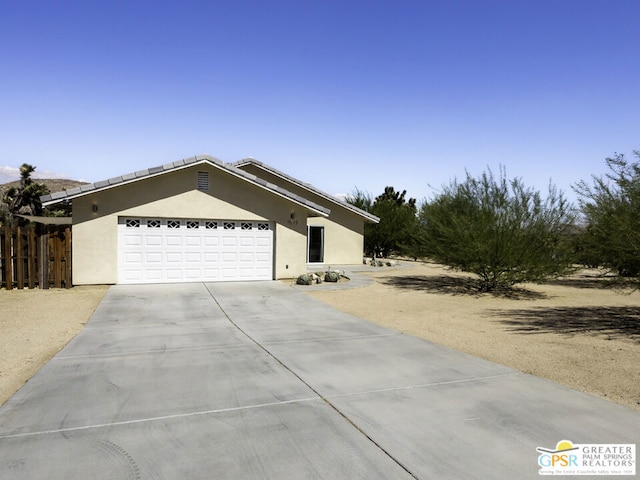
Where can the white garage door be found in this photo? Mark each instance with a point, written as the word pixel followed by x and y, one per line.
pixel 164 250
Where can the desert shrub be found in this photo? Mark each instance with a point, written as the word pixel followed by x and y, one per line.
pixel 498 229
pixel 304 279
pixel 611 210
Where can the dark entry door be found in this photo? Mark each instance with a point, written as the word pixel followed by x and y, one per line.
pixel 315 244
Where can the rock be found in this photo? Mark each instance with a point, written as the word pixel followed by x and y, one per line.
pixel 332 277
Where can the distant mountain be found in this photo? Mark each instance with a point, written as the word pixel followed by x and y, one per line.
pixel 53 184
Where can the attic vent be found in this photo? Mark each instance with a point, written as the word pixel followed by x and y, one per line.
pixel 203 181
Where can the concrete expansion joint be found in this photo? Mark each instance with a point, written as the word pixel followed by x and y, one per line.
pixel 324 339
pixel 310 387
pixel 157 419
pixel 148 352
pixel 426 385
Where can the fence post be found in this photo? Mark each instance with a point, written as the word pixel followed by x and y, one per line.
pixel 43 259
pixel 6 258
pixel 68 283
pixel 57 258
pixel 32 254
pixel 19 256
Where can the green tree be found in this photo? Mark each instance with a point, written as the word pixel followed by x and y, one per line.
pixel 398 221
pixel 24 199
pixel 498 229
pixel 611 209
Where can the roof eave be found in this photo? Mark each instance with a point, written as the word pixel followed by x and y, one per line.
pixel 103 185
pixel 252 161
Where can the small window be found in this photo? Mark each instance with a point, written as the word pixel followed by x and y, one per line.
pixel 203 181
pixel 263 226
pixel 173 224
pixel 229 225
pixel 153 223
pixel 211 225
pixel 133 223
pixel 193 224
pixel 245 226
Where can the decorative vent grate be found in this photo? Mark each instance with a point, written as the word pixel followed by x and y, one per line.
pixel 203 181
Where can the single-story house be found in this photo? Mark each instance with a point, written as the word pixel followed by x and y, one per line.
pixel 200 219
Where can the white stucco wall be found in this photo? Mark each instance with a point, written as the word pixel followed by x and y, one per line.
pixel 342 245
pixel 174 194
pixel 344 229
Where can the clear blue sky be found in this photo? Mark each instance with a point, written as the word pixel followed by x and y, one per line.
pixel 341 94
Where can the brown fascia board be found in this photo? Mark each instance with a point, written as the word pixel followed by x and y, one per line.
pixel 268 168
pixel 168 167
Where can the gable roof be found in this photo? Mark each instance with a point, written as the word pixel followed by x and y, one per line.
pixel 307 186
pixel 180 164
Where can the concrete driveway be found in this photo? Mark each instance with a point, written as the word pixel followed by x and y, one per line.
pixel 259 381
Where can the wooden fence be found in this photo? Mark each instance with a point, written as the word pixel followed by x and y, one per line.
pixel 35 256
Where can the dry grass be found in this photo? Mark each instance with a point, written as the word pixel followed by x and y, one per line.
pixel 35 325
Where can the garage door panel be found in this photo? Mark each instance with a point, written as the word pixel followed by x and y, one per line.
pixel 174 274
pixel 153 257
pixel 263 271
pixel 174 257
pixel 210 273
pixel 211 257
pixel 211 240
pixel 229 273
pixel 193 241
pixel 193 274
pixel 193 257
pixel 246 257
pixel 133 258
pixel 153 274
pixel 245 273
pixel 153 240
pixel 132 275
pixel 263 242
pixel 172 250
pixel 247 241
pixel 229 257
pixel 173 240
pixel 263 257
pixel 228 241
pixel 133 239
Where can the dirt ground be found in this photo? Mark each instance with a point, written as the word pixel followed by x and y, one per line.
pixel 35 325
pixel 574 331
